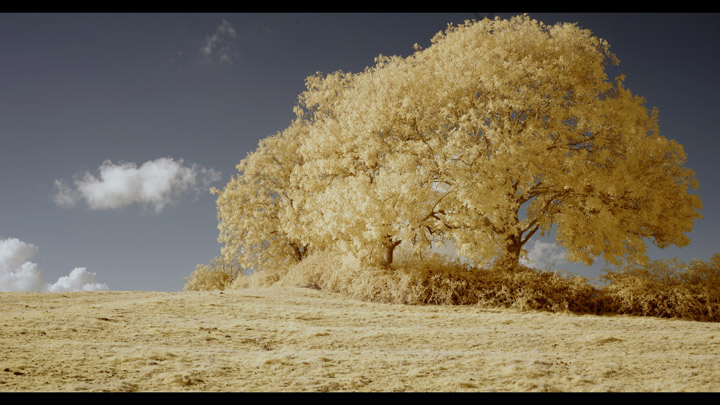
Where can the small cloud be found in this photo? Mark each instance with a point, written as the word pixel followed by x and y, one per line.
pixel 219 48
pixel 18 273
pixel 545 255
pixel 78 280
pixel 155 183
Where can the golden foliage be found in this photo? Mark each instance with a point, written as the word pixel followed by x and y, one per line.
pixel 501 129
pixel 254 204
pixel 667 288
pixel 495 120
pixel 218 275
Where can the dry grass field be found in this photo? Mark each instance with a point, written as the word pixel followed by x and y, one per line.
pixel 302 339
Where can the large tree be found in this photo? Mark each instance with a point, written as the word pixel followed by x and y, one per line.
pixel 538 136
pixel 545 139
pixel 498 131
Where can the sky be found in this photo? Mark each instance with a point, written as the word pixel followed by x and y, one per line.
pixel 114 126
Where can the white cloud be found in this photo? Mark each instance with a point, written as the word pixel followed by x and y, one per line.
pixel 18 273
pixel 155 183
pixel 219 48
pixel 78 280
pixel 544 255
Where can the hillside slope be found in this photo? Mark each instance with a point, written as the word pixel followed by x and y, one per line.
pixel 299 339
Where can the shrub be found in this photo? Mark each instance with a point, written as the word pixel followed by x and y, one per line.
pixel 666 288
pixel 218 275
pixel 436 280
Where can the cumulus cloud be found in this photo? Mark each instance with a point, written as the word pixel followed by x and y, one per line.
pixel 544 255
pixel 78 280
pixel 18 273
pixel 219 48
pixel 156 183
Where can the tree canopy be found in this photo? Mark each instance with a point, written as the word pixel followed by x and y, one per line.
pixel 498 131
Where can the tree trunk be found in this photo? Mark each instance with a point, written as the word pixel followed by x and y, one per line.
pixel 389 249
pixel 510 259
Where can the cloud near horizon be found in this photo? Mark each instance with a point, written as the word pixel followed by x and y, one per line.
pixel 18 273
pixel 156 183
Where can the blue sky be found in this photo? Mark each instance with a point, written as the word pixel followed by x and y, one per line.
pixel 180 99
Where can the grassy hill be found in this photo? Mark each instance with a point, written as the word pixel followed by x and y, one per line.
pixel 302 339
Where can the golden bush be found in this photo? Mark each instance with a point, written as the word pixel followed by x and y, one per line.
pixel 218 275
pixel 666 288
pixel 435 280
